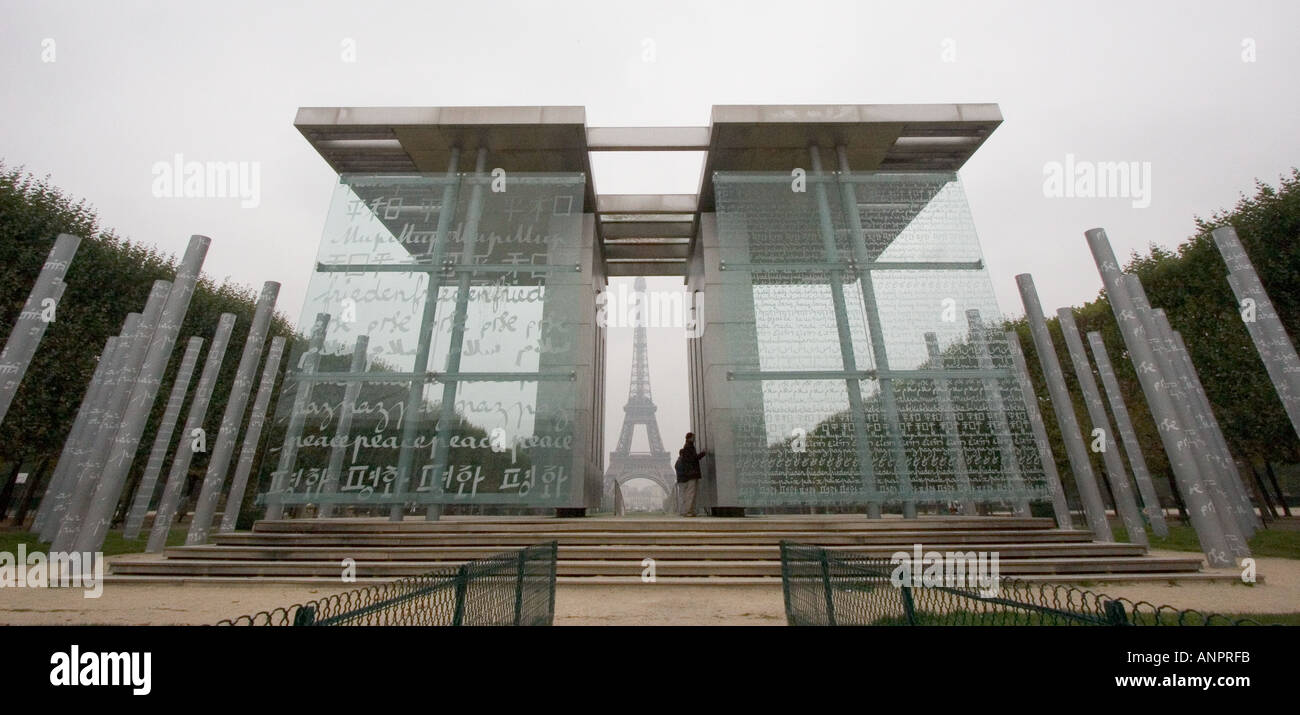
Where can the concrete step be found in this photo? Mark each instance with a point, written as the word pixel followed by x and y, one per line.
pixel 1086 579
pixel 516 539
pixel 541 525
pixel 699 549
pixel 620 550
pixel 628 567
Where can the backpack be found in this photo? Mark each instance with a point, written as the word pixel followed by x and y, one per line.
pixel 680 468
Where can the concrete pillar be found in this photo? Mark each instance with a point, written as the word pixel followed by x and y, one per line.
pixel 162 440
pixel 219 465
pixel 1208 427
pixel 74 486
pixel 1186 472
pixel 1239 481
pixel 948 422
pixel 879 354
pixel 1273 352
pixel 343 430
pixel 143 394
pixel 1093 506
pixel 165 515
pixel 235 499
pixel 998 412
pixel 85 507
pixel 1125 503
pixel 1269 335
pixel 1060 507
pixel 428 320
pixel 297 417
pixel 1266 330
pixel 1124 425
pixel 1206 464
pixel 62 467
pixel 26 334
pixel 25 338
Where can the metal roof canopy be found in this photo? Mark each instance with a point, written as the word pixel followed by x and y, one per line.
pixel 642 234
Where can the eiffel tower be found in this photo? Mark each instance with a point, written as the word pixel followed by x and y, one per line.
pixel 624 464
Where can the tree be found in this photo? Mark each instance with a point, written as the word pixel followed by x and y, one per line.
pixel 1189 283
pixel 109 277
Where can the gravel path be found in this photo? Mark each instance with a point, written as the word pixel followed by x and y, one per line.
pixel 633 604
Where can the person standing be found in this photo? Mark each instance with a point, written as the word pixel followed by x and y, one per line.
pixel 688 474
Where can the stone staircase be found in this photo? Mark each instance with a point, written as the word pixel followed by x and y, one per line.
pixel 610 550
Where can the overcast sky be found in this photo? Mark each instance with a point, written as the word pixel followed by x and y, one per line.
pixel 1204 93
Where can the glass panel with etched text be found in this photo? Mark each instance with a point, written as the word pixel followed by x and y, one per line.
pixel 446 368
pixel 866 363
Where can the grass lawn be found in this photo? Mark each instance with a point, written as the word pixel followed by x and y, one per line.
pixel 1271 619
pixel 1277 542
pixel 969 618
pixel 114 544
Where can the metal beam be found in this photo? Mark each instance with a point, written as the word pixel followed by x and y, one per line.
pixel 647 204
pixel 647 229
pixel 647 138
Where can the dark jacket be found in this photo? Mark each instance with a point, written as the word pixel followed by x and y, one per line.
pixel 690 460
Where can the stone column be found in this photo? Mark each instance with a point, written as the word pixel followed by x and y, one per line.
pixel 1093 507
pixel 1124 425
pixel 1266 330
pixel 219 465
pixel 70 496
pixel 26 334
pixel 343 430
pixel 235 499
pixel 1239 481
pixel 171 498
pixel 66 457
pixel 87 500
pixel 25 338
pixel 1181 459
pixel 1060 506
pixel 1208 426
pixel 162 440
pixel 1205 462
pixel 1125 503
pixel 143 393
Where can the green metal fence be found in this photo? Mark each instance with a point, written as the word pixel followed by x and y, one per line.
pixel 828 588
pixel 516 588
